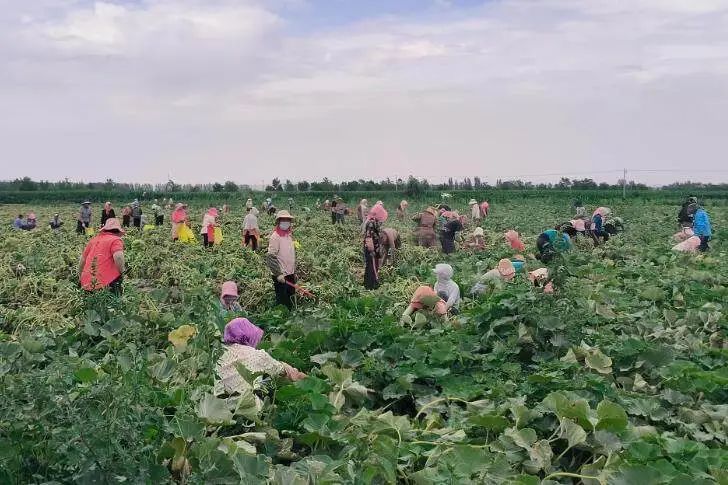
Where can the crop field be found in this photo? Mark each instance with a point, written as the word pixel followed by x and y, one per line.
pixel 619 377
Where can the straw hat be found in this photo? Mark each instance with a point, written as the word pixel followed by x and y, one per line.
pixel 112 224
pixel 283 214
pixel 229 288
pixel 506 268
pixel 432 211
pixel 478 231
pixel 473 202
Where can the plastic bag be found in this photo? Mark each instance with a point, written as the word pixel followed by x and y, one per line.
pixel 218 236
pixel 186 235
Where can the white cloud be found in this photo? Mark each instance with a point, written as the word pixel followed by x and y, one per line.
pixel 563 84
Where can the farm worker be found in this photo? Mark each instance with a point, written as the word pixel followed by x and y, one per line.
pixel 136 213
pixel 402 210
pixel 550 242
pixel 579 226
pixel 179 218
pixel 281 259
pixel 56 222
pixel 685 216
pixel 449 231
pixel 126 216
pixel 613 226
pixel 229 298
pixel 84 217
pixel 158 214
pixel 701 226
pixel 446 288
pixel 373 246
pixel 170 204
pixel 474 210
pixel 477 240
pixel 597 226
pixel 340 211
pixel 390 243
pixel 241 337
pixel 290 204
pixel 425 231
pixel 107 213
pixel 540 277
pixel 362 210
pixel 580 209
pixel 505 271
pixel 268 203
pixel 689 245
pixel 208 227
pixel 249 203
pixel 484 208
pixel 514 240
pixel 426 298
pixel 251 231
pixel 327 205
pixel 18 223
pixel 30 222
pixel 225 209
pixel 102 261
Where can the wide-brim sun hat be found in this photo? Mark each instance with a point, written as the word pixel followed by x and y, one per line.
pixel 112 224
pixel 506 268
pixel 179 206
pixel 472 202
pixel 212 211
pixel 431 210
pixel 478 231
pixel 229 288
pixel 86 202
pixel 283 214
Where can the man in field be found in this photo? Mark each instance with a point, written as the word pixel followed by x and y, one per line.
pixel 102 261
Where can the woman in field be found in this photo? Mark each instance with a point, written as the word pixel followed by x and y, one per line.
pixel 281 259
pixel 362 210
pixel 207 231
pixel 402 210
pixel 107 213
pixel 179 219
pixel 251 231
pixel 425 232
pixel 474 210
pixel 391 242
pixel 441 299
pixel 229 298
pixel 102 262
pixel 241 337
pixel 550 242
pixel 453 224
pixel 373 246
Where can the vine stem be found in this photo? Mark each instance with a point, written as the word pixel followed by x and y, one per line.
pixel 438 401
pixel 573 475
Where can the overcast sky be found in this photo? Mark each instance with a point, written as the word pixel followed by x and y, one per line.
pixel 211 90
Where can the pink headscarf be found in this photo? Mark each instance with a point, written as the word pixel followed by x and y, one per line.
pixel 578 224
pixel 602 211
pixel 513 239
pixel 241 331
pixel 378 213
pixel 212 211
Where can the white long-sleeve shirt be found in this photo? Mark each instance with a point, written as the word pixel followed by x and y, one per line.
pixel 250 222
pixel 452 290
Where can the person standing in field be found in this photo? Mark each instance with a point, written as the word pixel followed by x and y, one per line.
pixel 425 231
pixel 453 224
pixel 580 209
pixel 136 213
pixel 281 259
pixel 362 210
pixel 84 217
pixel 474 210
pixel 179 218
pixel 402 210
pixel 390 243
pixel 207 231
pixel 251 231
pixel 107 213
pixel 373 246
pixel 340 211
pixel 102 262
pixel 126 216
pixel 701 226
pixel 157 213
pixel 249 204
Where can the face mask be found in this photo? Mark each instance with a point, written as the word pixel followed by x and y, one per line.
pixel 284 225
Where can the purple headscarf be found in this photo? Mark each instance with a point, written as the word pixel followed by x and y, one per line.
pixel 241 331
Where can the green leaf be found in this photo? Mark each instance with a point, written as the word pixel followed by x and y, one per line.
pixel 522 437
pixel 572 432
pixel 612 417
pixel 541 454
pixel 596 360
pixel 86 374
pixel 214 410
pixel 491 422
pixel 321 359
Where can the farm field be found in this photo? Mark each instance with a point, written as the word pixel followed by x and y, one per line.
pixel 620 377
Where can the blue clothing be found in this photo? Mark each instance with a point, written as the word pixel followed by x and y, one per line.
pixel 563 244
pixel 597 220
pixel 701 223
pixel 18 223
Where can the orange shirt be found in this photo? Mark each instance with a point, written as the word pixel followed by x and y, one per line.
pixel 99 268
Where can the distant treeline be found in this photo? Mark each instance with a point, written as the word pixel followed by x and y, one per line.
pixel 26 189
